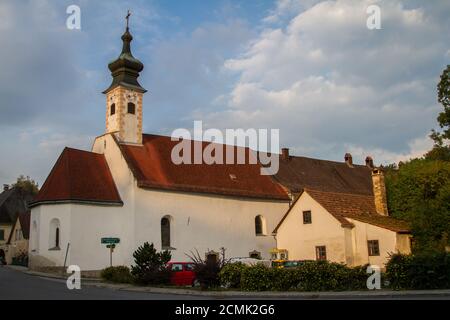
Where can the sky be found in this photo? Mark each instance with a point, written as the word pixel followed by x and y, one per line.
pixel 309 68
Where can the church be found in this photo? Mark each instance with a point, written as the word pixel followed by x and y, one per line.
pixel 128 189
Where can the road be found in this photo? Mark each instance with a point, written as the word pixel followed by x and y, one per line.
pixel 16 285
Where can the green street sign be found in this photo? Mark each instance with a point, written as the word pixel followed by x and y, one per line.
pixel 110 240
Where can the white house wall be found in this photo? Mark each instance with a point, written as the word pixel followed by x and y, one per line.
pixel 301 239
pixel 387 240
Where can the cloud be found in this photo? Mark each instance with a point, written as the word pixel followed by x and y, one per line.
pixel 330 84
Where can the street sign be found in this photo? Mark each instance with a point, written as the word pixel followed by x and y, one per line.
pixel 110 240
pixel 111 246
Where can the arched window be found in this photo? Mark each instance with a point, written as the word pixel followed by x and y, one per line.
pixel 131 108
pixel 54 235
pixel 260 226
pixel 165 233
pixel 113 109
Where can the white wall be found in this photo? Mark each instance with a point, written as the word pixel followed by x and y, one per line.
pixel 301 239
pixel 206 222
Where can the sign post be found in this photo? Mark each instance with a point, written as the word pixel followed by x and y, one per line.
pixel 111 245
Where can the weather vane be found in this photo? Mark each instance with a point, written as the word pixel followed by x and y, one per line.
pixel 128 17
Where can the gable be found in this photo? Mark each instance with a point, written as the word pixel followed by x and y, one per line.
pixel 350 206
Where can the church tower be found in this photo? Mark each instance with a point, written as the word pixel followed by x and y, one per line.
pixel 124 95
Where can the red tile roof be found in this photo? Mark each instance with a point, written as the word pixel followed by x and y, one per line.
pixel 79 176
pixel 153 167
pixel 344 206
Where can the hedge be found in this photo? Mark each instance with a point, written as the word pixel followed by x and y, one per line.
pixel 310 276
pixel 416 272
pixel 120 274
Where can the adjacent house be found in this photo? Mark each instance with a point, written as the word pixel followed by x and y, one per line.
pixel 12 201
pixel 17 245
pixel 340 213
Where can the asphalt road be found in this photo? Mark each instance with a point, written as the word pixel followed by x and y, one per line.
pixel 16 285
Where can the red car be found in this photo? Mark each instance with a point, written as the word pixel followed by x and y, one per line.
pixel 182 273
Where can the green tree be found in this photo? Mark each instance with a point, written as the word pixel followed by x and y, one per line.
pixel 26 184
pixel 150 266
pixel 419 192
pixel 441 149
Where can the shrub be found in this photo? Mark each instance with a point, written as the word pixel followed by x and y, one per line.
pixel 230 275
pixel 151 266
pixel 206 270
pixel 424 271
pixel 309 276
pixel 120 274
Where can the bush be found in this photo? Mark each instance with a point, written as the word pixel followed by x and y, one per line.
pixel 310 276
pixel 424 271
pixel 151 266
pixel 230 275
pixel 120 274
pixel 206 270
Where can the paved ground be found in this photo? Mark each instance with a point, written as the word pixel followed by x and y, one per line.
pixel 17 285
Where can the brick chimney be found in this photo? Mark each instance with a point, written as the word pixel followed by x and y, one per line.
pixel 369 162
pixel 348 159
pixel 379 191
pixel 5 187
pixel 285 154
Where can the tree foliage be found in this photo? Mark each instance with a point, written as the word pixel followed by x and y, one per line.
pixel 150 266
pixel 26 184
pixel 419 192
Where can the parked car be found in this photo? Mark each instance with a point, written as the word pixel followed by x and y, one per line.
pixel 249 261
pixel 294 263
pixel 182 273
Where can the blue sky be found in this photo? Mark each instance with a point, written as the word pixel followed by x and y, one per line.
pixel 310 68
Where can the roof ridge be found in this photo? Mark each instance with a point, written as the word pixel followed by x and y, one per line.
pixel 340 193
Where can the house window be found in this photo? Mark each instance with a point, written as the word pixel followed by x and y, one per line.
pixel 18 234
pixel 113 109
pixel 2 234
pixel 165 233
pixel 374 247
pixel 54 235
pixel 307 219
pixel 260 226
pixel 321 253
pixel 131 108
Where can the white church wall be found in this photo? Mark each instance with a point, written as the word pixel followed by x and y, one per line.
pixel 206 222
pixel 126 184
pixel 45 252
pixel 301 239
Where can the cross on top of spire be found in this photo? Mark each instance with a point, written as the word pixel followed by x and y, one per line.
pixel 128 18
